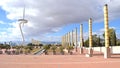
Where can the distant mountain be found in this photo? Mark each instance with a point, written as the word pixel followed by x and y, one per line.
pixel 50 42
pixel 14 43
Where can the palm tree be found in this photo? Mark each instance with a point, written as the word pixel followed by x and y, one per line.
pixel 70 48
pixel 54 47
pixel 61 50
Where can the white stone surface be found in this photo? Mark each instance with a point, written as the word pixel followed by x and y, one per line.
pixel 114 49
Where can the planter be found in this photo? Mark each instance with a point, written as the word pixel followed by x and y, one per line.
pixel 1 52
pixel 54 52
pixel 62 52
pixel 46 53
pixel 71 53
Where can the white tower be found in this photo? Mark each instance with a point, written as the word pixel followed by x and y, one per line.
pixel 22 21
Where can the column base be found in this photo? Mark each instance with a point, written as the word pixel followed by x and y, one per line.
pixel 81 50
pixel 76 49
pixel 107 53
pixel 90 53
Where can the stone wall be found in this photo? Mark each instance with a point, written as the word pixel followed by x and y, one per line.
pixel 114 49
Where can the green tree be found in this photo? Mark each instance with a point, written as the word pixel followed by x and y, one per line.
pixel 96 41
pixel 40 45
pixel 118 42
pixel 112 37
pixel 114 40
pixel 1 46
pixel 86 43
pixel 99 44
pixel 30 44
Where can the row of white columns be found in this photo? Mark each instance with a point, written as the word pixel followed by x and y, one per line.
pixel 71 39
pixel 66 39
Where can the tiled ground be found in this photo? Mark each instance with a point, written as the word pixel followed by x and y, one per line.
pixel 59 61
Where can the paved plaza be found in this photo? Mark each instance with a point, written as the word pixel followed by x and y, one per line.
pixel 59 61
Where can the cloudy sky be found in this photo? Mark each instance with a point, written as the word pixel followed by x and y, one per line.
pixel 48 20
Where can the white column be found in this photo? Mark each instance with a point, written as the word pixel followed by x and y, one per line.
pixel 72 38
pixel 81 38
pixel 90 51
pixel 76 39
pixel 69 38
pixel 107 49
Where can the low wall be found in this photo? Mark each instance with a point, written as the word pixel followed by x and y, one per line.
pixel 114 49
pixel 3 50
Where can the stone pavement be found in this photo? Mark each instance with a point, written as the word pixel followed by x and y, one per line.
pixel 59 61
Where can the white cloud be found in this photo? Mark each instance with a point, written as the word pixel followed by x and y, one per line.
pixel 11 33
pixel 47 16
pixel 1 22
